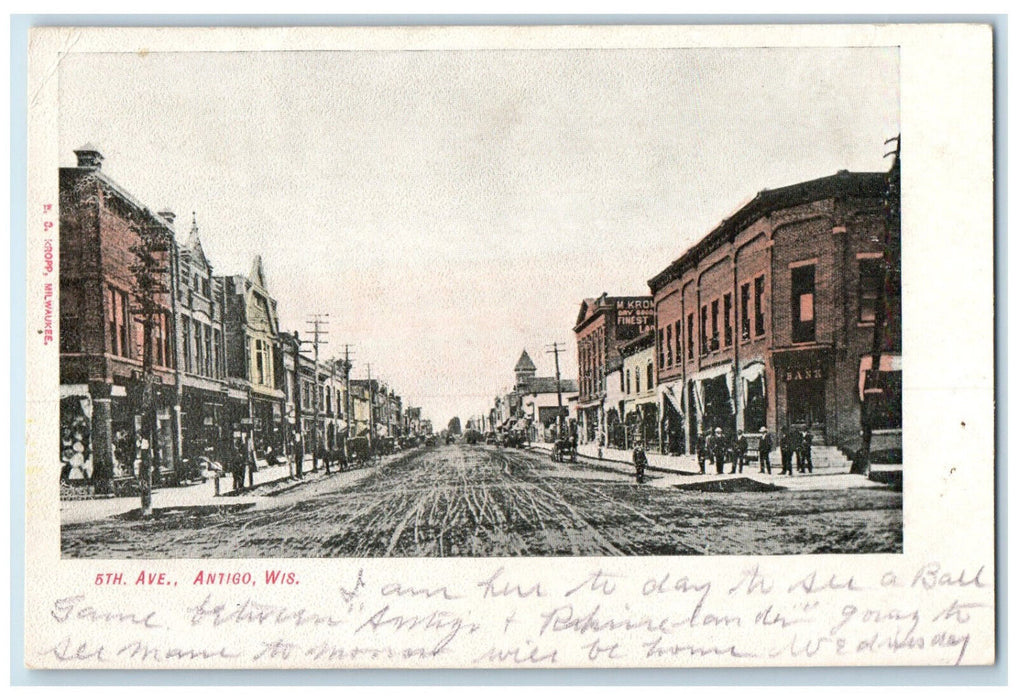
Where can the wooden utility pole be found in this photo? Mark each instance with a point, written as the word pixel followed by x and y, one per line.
pixel 317 322
pixel 872 385
pixel 371 410
pixel 558 385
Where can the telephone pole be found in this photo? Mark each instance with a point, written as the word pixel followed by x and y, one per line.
pixel 872 385
pixel 556 349
pixel 371 410
pixel 317 323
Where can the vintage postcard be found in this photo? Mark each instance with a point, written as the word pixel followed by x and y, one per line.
pixel 510 347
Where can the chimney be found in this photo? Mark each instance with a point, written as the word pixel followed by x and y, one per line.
pixel 168 215
pixel 89 158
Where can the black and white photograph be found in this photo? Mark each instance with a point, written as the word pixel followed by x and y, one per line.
pixel 449 335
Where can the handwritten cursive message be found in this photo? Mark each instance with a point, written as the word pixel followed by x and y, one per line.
pixel 763 614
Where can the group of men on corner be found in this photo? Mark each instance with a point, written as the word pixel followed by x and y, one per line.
pixel 719 448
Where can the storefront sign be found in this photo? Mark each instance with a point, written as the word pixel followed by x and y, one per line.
pixel 634 316
pixel 797 374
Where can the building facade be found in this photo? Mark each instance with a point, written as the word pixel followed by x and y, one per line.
pixel 602 326
pixel 254 362
pixel 106 426
pixel 200 344
pixel 640 402
pixel 769 320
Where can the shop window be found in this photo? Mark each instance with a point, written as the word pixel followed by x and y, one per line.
pixel 803 290
pixel 758 303
pixel 728 320
pixel 871 276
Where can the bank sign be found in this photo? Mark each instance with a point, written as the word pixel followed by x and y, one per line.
pixel 633 316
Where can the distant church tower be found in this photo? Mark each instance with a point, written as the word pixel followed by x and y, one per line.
pixel 525 370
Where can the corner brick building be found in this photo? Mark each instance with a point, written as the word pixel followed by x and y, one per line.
pixel 603 325
pixel 769 320
pixel 102 330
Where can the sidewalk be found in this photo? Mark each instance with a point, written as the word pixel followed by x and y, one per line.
pixel 682 470
pixel 201 494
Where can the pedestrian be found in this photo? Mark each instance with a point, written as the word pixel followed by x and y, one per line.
pixel 719 450
pixel 639 460
pixel 766 445
pixel 806 451
pixel 795 443
pixel 238 465
pixel 701 452
pixel 785 445
pixel 741 447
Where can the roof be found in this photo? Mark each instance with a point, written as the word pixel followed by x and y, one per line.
pixel 640 342
pixel 525 364
pixel 547 385
pixel 843 183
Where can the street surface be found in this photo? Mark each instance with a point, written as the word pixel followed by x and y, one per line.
pixel 460 500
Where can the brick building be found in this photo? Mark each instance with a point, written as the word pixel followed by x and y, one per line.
pixel 602 326
pixel 770 318
pixel 102 330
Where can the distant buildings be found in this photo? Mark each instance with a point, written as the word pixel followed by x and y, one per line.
pixel 533 404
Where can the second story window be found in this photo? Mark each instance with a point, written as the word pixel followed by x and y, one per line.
pixel 758 304
pixel 871 277
pixel 703 329
pixel 714 325
pixel 803 323
pixel 744 310
pixel 650 376
pixel 678 341
pixel 668 347
pixel 728 320
pixel 637 373
pixel 629 383
pixel 689 337
pixel 661 346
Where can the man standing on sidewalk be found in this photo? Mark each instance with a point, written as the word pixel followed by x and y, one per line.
pixel 806 451
pixel 701 452
pixel 741 447
pixel 766 445
pixel 719 449
pixel 785 445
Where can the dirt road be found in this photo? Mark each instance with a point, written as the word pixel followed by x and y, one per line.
pixel 461 500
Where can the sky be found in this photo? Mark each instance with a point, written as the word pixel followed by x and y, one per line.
pixel 448 209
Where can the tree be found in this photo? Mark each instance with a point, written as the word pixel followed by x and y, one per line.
pixel 454 426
